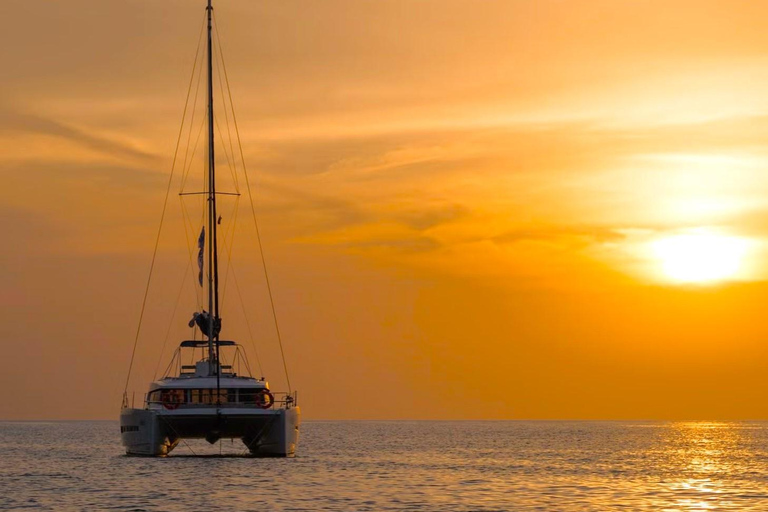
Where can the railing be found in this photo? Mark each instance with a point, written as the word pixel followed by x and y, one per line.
pixel 188 370
pixel 281 400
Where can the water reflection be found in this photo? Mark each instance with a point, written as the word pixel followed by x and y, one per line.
pixel 431 466
pixel 710 461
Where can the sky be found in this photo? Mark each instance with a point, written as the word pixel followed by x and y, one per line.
pixel 469 210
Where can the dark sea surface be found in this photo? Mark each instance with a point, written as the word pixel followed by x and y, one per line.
pixel 434 466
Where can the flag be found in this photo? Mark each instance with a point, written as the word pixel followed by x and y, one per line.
pixel 201 246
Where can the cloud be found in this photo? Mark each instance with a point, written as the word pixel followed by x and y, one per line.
pixel 578 235
pixel 32 233
pixel 16 122
pixel 50 176
pixel 414 244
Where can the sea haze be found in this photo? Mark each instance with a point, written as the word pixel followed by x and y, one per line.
pixel 399 465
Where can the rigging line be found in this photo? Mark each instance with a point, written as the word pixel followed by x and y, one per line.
pixel 188 217
pixel 203 201
pixel 189 157
pixel 194 102
pixel 173 316
pixel 247 323
pixel 232 170
pixel 248 365
pixel 230 266
pixel 256 223
pixel 242 356
pixel 188 220
pixel 202 224
pixel 229 235
pixel 157 241
pixel 192 156
pixel 230 158
pixel 223 100
pixel 176 354
pixel 241 360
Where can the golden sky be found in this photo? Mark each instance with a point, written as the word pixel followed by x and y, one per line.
pixel 496 209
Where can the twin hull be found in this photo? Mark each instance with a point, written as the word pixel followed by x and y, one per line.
pixel 266 433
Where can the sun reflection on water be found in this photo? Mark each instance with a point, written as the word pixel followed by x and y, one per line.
pixel 707 455
pixel 433 466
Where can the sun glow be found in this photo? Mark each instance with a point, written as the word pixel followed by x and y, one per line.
pixel 700 257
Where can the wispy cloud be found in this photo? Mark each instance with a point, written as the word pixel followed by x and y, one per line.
pixel 12 122
pixel 578 235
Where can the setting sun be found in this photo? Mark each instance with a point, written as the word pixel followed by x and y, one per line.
pixel 700 257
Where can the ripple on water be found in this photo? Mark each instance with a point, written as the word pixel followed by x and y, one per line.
pixel 440 466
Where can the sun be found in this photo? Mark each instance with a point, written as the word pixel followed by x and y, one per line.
pixel 700 257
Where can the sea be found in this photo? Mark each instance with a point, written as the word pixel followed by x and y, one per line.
pixel 399 465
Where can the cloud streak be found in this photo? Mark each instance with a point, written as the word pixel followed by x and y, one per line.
pixel 12 123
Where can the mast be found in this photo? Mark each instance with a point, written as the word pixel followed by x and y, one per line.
pixel 213 256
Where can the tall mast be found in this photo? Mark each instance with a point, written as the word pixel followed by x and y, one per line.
pixel 213 256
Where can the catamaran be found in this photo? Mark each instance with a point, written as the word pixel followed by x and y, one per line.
pixel 210 399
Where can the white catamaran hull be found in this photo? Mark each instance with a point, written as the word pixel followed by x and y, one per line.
pixel 265 433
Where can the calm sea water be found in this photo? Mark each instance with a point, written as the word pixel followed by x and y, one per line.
pixel 433 466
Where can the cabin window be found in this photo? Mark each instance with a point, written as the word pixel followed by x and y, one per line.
pixel 208 396
pixel 250 396
pixel 168 396
pixel 223 395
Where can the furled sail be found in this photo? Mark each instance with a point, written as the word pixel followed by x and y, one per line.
pixel 203 322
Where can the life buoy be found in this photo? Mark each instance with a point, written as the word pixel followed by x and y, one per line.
pixel 171 399
pixel 266 399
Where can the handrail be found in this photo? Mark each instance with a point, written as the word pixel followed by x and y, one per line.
pixel 282 400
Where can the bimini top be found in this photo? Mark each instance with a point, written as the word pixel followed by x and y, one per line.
pixel 204 343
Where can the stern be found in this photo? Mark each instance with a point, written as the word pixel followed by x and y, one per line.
pixel 281 437
pixel 143 434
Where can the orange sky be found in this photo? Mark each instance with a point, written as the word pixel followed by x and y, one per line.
pixel 462 202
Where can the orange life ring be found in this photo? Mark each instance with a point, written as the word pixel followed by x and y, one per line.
pixel 267 399
pixel 171 399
